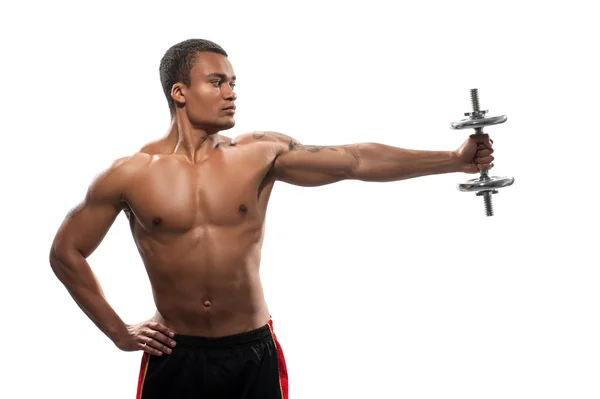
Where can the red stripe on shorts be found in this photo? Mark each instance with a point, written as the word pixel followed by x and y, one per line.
pixel 142 376
pixel 283 376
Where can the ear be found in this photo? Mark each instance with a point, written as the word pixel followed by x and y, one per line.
pixel 178 93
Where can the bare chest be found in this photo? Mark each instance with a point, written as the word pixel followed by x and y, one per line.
pixel 178 196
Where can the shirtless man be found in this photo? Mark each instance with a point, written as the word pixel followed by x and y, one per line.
pixel 196 203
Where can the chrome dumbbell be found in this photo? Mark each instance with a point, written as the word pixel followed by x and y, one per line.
pixel 485 185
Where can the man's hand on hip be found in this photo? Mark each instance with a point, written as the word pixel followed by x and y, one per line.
pixel 148 336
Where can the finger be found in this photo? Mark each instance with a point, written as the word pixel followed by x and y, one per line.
pixel 484 160
pixel 484 144
pixel 145 345
pixel 482 140
pixel 159 336
pixel 158 346
pixel 162 328
pixel 486 152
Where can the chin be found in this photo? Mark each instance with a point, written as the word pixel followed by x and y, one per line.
pixel 217 126
pixel 227 124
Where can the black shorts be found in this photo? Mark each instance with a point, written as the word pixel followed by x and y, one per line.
pixel 249 365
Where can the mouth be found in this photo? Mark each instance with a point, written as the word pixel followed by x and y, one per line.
pixel 229 109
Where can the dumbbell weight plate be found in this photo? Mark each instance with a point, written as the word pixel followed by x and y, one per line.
pixel 481 122
pixel 489 183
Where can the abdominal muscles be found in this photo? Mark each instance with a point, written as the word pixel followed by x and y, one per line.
pixel 206 281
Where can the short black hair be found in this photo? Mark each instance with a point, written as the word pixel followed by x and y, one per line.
pixel 177 63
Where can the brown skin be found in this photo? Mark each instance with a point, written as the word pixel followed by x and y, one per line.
pixel 196 203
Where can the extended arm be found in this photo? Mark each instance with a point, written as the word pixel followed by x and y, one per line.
pixel 317 165
pixel 79 235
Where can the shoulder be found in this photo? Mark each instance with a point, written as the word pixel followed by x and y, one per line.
pixel 129 166
pixel 114 179
pixel 275 139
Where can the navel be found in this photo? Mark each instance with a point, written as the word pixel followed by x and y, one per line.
pixel 207 304
pixel 243 209
pixel 156 221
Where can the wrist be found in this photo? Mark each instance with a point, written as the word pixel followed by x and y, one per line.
pixel 119 336
pixel 455 162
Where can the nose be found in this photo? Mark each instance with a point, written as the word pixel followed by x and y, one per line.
pixel 229 94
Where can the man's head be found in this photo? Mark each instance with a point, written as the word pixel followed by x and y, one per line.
pixel 198 79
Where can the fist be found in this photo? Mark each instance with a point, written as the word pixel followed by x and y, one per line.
pixel 475 154
pixel 148 336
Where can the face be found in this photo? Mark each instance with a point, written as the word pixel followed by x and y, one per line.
pixel 209 100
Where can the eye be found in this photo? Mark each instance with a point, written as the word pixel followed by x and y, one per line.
pixel 216 83
pixel 232 85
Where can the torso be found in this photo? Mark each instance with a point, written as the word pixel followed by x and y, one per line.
pixel 199 230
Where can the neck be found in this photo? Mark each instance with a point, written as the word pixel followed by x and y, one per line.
pixel 192 142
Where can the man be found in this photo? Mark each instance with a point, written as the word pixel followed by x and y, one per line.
pixel 196 203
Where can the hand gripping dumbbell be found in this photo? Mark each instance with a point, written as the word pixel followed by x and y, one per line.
pixel 485 185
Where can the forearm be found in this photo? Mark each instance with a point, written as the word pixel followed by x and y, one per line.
pixel 74 272
pixel 379 162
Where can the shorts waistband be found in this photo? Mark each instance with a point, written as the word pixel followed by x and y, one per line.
pixel 258 335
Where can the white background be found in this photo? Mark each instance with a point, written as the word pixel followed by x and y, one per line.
pixel 396 290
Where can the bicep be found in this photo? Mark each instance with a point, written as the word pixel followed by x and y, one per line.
pixel 85 226
pixel 305 165
pixel 315 165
